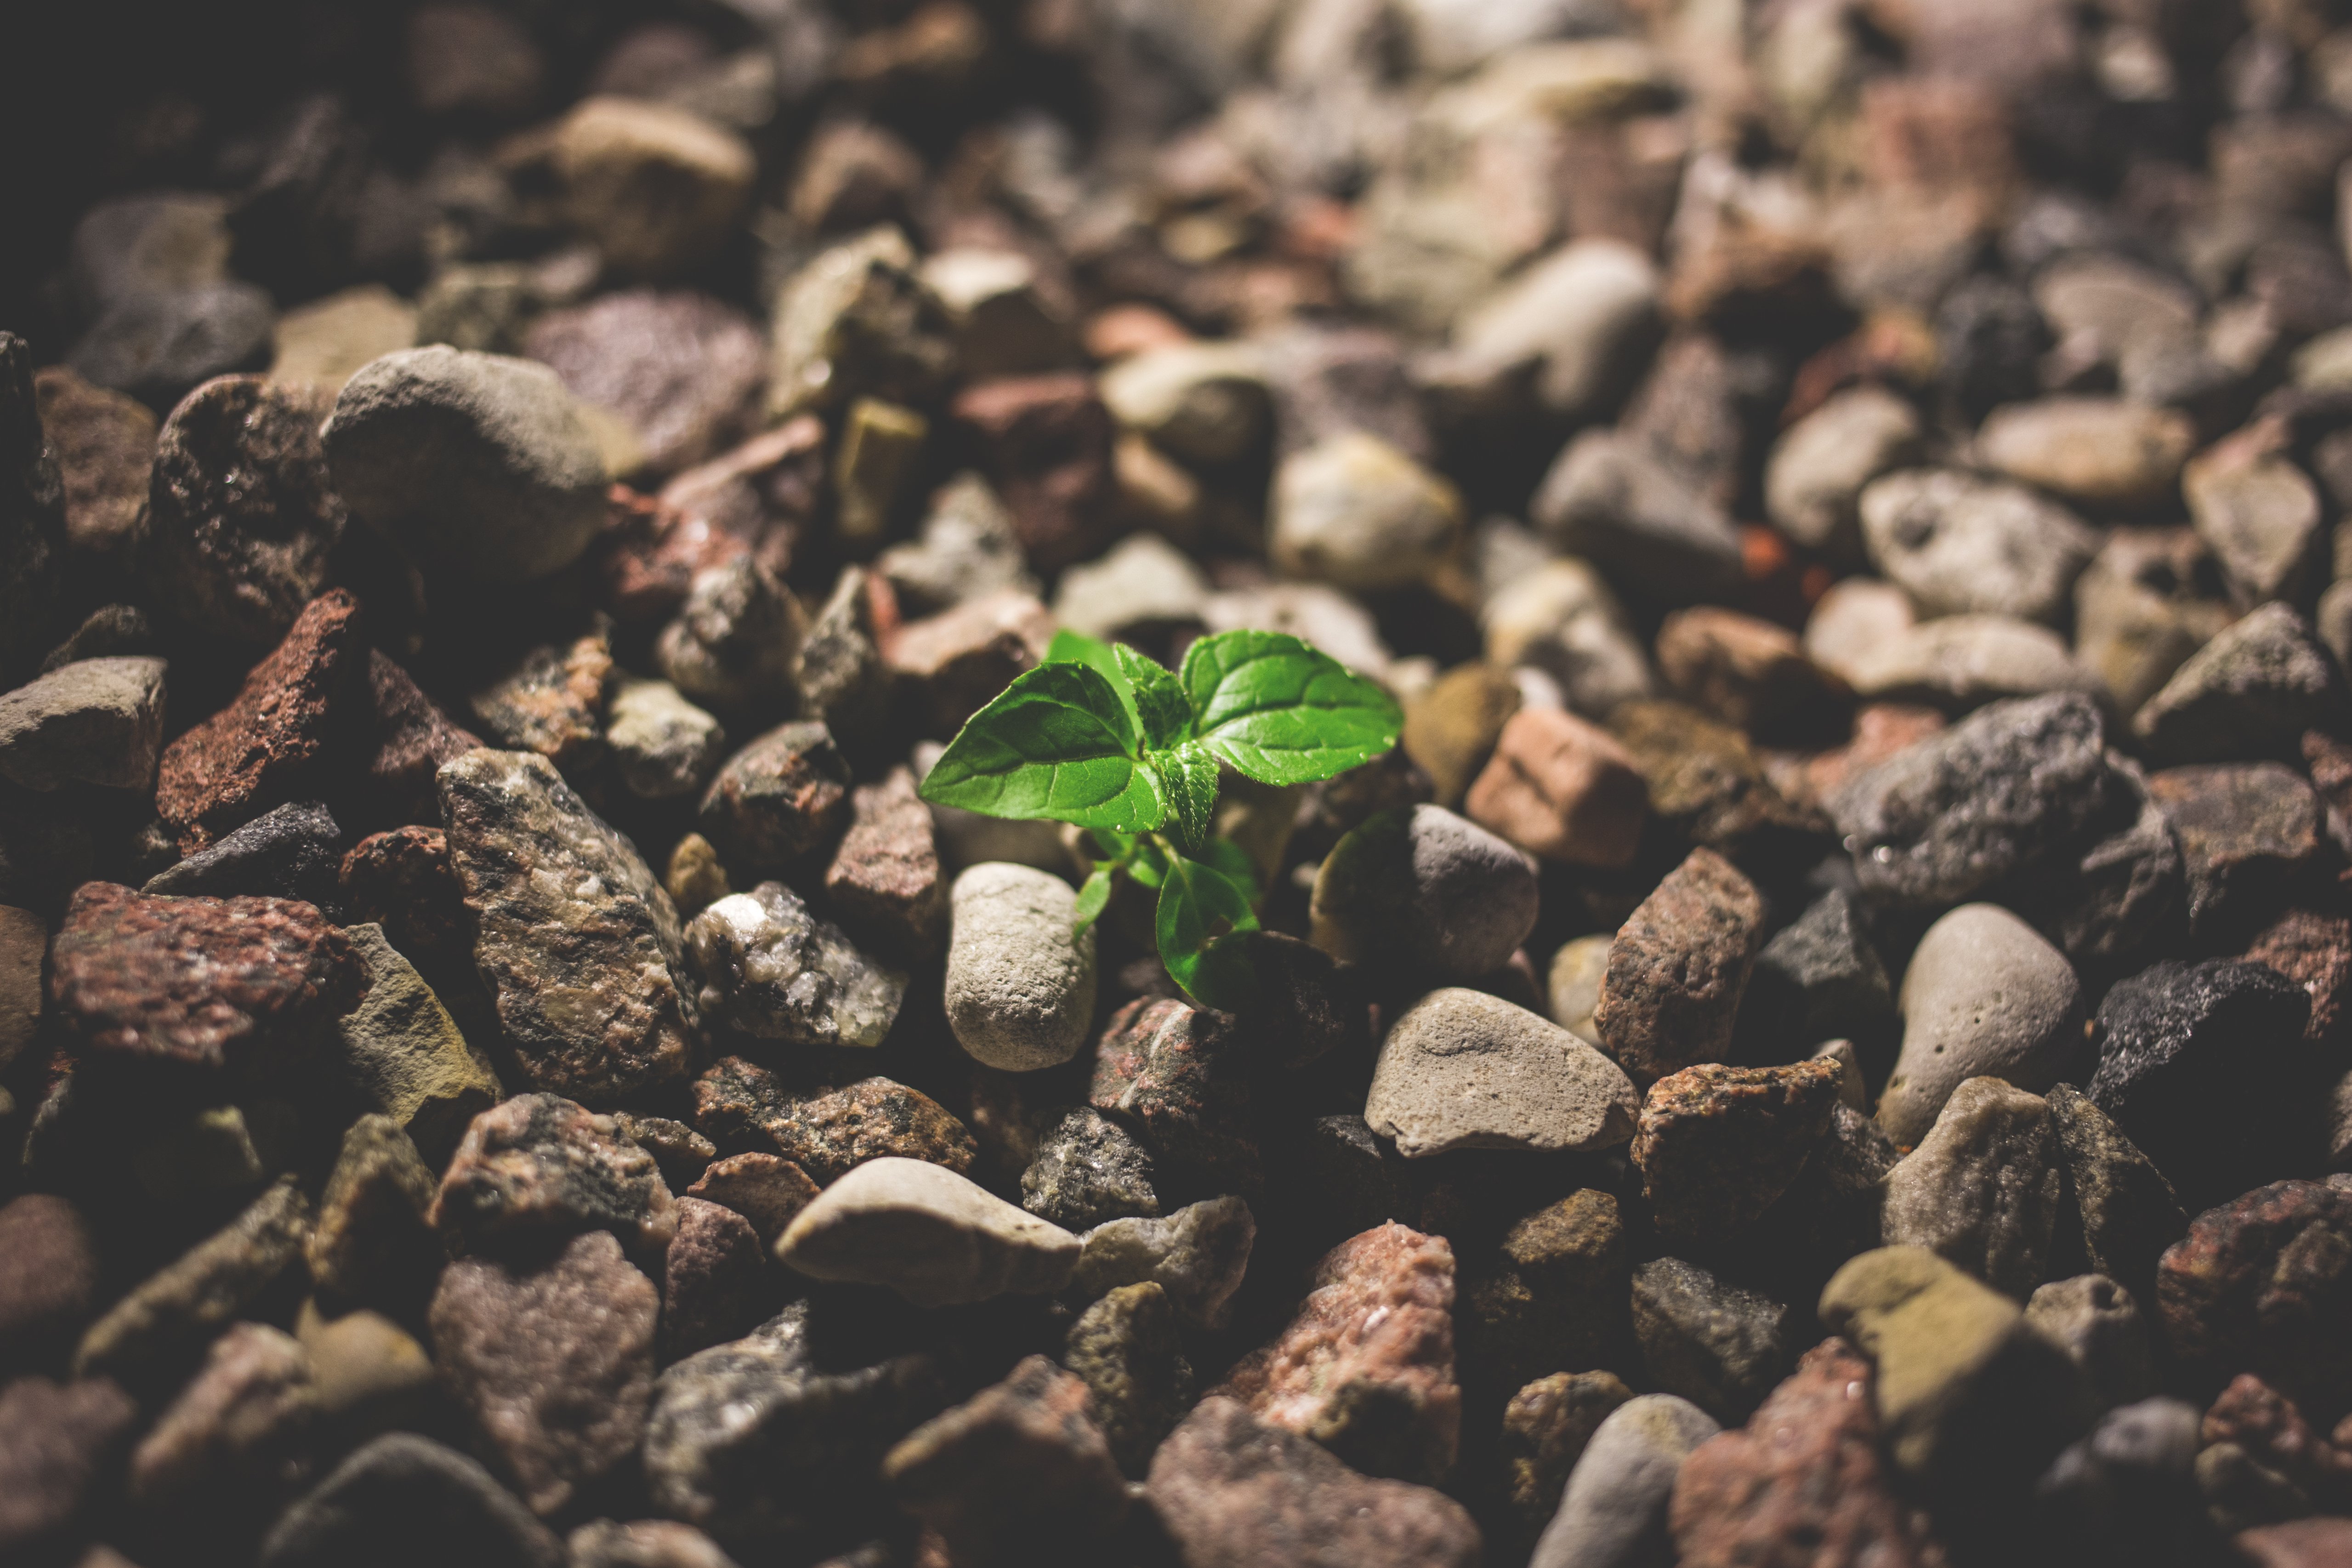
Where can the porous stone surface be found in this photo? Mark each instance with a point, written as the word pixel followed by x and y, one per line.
pixel 93 721
pixel 1461 1070
pixel 774 971
pixel 1125 1349
pixel 1718 1145
pixel 1020 988
pixel 578 943
pixel 886 879
pixel 539 1166
pixel 935 1237
pixel 1678 968
pixel 1984 997
pixel 2254 1282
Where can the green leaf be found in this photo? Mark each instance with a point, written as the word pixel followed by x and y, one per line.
pixel 1282 712
pixel 1058 743
pixel 1235 861
pixel 1076 647
pixel 1187 777
pixel 1148 865
pixel 1165 717
pixel 1093 896
pixel 1199 907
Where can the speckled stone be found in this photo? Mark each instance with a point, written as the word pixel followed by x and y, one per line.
pixel 784 795
pixel 736 641
pixel 242 986
pixel 826 1131
pixel 1184 1076
pixel 1981 1190
pixel 1088 1169
pixel 1197 1254
pixel 1714 1343
pixel 401 880
pixel 1461 1070
pixel 2258 1285
pixel 538 1166
pixel 711 1278
pixel 1545 1429
pixel 681 1153
pixel 763 1188
pixel 885 879
pixel 268 745
pixel 2251 691
pixel 929 1233
pixel 1678 968
pixel 550 701
pixel 775 972
pixel 575 938
pixel 1718 1145
pixel 1366 1367
pixel 554 1357
pixel 177 1310
pixel 292 851
pixel 1125 1349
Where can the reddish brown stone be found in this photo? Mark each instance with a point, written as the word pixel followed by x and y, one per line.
pixel 554 1357
pixel 56 1441
pixel 265 747
pixel 237 1432
pixel 1045 441
pixel 827 1131
pixel 210 984
pixel 1748 673
pixel 49 1277
pixel 1879 729
pixel 1802 1484
pixel 413 739
pixel 2314 949
pixel 2263 1283
pixel 1718 1145
pixel 2247 830
pixel 784 795
pixel 739 503
pixel 105 447
pixel 1366 1367
pixel 551 702
pixel 403 881
pixel 885 879
pixel 2271 1431
pixel 539 1166
pixel 766 1189
pixel 2299 1543
pixel 1181 1074
pixel 1677 969
pixel 960 658
pixel 710 1283
pixel 682 370
pixel 1561 789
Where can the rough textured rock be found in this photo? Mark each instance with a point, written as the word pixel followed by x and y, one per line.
pixel 1366 1367
pixel 292 852
pixel 1016 1470
pixel 238 1431
pixel 1821 464
pixel 827 1131
pixel 1803 1480
pixel 1717 1344
pixel 268 745
pixel 1233 1491
pixel 1125 1350
pixel 775 972
pixel 402 1499
pixel 1962 545
pixel 2247 832
pixel 479 463
pixel 1750 673
pixel 372 1245
pixel 402 1052
pixel 575 937
pixel 167 1316
pixel 926 1233
pixel 1561 789
pixel 1421 887
pixel 1820 978
pixel 539 1166
pixel 784 795
pixel 554 1359
pixel 1197 1254
pixel 1020 987
pixel 240 985
pixel 663 746
pixel 1981 1190
pixel 2251 691
pixel 2255 1285
pixel 159 347
pixel 711 1278
pixel 2125 1209
pixel 1718 1145
pixel 1355 512
pixel 680 1151
pixel 1614 1509
pixel 1185 1076
pixel 240 515
pixel 1545 1429
pixel 1984 997
pixel 1678 968
pixel 1088 1170
pixel 765 1190
pixel 736 641
pixel 550 701
pixel 93 721
pixel 680 369
pixel 885 879
pixel 960 658
pixel 412 739
pixel 49 1277
pixel 105 447
pixel 1461 1070
pixel 1553 1291
pixel 1611 501
pixel 57 1442
pixel 2104 1332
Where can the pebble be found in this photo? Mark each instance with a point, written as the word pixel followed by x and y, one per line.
pixel 1201 402
pixel 1560 789
pixel 1545 1428
pixel 1462 1069
pixel 1961 545
pixel 105 447
pixel 1450 729
pixel 1140 589
pixel 773 971
pixel 1046 442
pixel 826 1131
pixel 294 851
pixel 274 738
pixel 842 676
pixel 2248 832
pixel 1424 888
pixel 1820 466
pixel 1006 320
pixel 1354 511
pixel 968 549
pixel 1578 319
pixel 1718 1145
pixel 1820 978
pixel 2251 691
pixel 1614 1513
pixel 1231 1488
pixel 478 464
pixel 1706 781
pixel 324 344
pixel 1088 1170
pixel 2262 516
pixel 169 1316
pixel 538 1167
pixel 158 347
pixel 1749 673
pixel 736 642
pixel 59 1444
pixel 240 1430
pixel 885 881
pixel 1607 499
pixel 855 321
pixel 2148 600
pixel 1573 984
pixel 1803 1478
pixel 405 1499
pixel 1984 997
pixel 94 721
pixel 2125 1210
pixel 1678 968
pixel 1020 989
pixel 2257 1284
pixel 550 701
pixel 1717 1344
pixel 402 1052
pixel 372 1245
pixel 1550 1292
pixel 1982 1188
pixel 962 656
pixel 783 797
pixel 2104 1332
pixel 682 370
pixel 764 1189
pixel 1018 1469
pixel 1196 1255
pixel 199 985
pixel 654 187
pixel 926 1233
pixel 2189 1056
pixel 642 1543
pixel 564 909
pixel 695 877
pixel 679 1152
pixel 1560 616
pixel 241 515
pixel 711 1278
pixel 48 1278
pixel 1126 1351
pixel 1852 620
pixel 1184 1077
pixel 663 746
pixel 2100 452
pixel 1966 661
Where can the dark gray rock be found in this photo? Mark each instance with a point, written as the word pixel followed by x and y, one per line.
pixel 2250 692
pixel 538 1167
pixel 1088 1170
pixel 1421 889
pixel 1820 978
pixel 2116 1200
pixel 170 1315
pixel 157 347
pixel 404 1499
pixel 295 851
pixel 773 969
pixel 1609 499
pixel 783 797
pixel 1717 1344
pixel 2123 896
